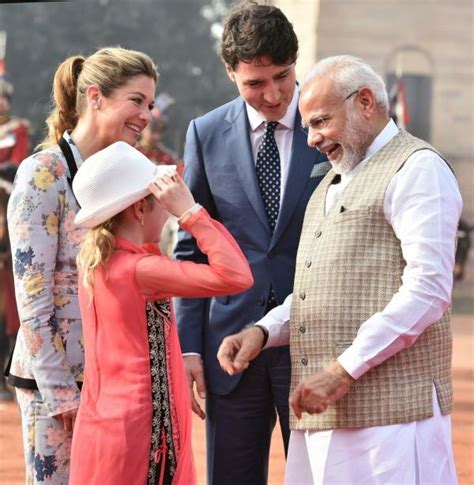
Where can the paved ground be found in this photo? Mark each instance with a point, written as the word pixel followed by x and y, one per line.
pixel 11 466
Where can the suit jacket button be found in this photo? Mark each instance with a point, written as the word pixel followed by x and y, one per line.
pixel 302 329
pixel 308 263
pixel 261 302
pixel 304 361
pixel 318 233
pixel 302 295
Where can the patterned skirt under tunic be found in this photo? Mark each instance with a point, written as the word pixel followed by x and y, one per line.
pixel 162 460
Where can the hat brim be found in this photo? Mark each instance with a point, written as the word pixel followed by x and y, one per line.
pixel 89 220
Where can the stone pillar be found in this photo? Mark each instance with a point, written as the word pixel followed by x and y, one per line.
pixel 303 14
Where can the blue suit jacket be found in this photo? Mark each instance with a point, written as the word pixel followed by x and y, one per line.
pixel 220 171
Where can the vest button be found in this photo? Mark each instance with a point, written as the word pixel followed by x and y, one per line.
pixel 302 329
pixel 308 263
pixel 302 295
pixel 304 361
pixel 261 302
pixel 318 233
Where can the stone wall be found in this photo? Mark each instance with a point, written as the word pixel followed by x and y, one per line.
pixel 439 38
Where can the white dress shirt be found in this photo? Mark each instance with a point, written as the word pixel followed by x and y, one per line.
pixel 283 136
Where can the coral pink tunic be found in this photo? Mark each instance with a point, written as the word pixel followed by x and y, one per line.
pixel 135 411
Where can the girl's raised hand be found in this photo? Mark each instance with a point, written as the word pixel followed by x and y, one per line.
pixel 173 194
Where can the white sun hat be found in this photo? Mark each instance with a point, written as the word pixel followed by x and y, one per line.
pixel 111 180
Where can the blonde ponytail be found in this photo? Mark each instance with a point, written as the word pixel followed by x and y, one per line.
pixel 64 114
pixel 96 249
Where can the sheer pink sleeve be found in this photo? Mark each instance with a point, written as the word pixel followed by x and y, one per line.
pixel 227 271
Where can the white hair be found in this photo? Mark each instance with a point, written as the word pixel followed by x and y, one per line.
pixel 350 74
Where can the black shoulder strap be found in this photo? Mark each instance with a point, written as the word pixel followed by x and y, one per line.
pixel 67 152
pixel 71 162
pixel 6 371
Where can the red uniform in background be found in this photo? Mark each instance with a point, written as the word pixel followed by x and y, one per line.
pixel 162 156
pixel 14 139
pixel 151 146
pixel 14 148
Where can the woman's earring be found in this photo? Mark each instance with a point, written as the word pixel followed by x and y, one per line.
pixel 142 220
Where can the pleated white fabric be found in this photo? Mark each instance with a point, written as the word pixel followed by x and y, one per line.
pixel 417 453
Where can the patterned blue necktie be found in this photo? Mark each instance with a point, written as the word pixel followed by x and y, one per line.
pixel 268 172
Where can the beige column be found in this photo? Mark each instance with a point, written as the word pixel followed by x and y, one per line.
pixel 303 14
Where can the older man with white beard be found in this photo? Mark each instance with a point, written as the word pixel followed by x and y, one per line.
pixel 368 320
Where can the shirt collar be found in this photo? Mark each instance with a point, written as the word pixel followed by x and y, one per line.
pixel 389 131
pixel 131 247
pixel 128 246
pixel 288 121
pixel 382 138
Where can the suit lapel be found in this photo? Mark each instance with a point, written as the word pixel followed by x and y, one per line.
pixel 237 140
pixel 302 162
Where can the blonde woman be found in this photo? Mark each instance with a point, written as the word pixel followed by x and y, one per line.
pixel 98 100
pixel 134 422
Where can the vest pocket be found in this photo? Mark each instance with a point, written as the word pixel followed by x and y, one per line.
pixel 345 214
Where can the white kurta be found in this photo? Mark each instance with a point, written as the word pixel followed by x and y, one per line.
pixel 423 205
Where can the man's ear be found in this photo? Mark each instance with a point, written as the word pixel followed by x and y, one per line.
pixel 230 73
pixel 367 102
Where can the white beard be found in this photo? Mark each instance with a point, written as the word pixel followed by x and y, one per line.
pixel 357 135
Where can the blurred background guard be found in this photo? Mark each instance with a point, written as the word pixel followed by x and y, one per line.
pixel 14 147
pixel 14 132
pixel 151 144
pixel 151 140
pixel 9 321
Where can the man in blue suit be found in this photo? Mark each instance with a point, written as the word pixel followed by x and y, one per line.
pixel 256 177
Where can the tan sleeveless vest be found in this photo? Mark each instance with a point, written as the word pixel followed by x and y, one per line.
pixel 349 265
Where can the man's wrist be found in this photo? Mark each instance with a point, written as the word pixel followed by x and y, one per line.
pixel 265 334
pixel 337 369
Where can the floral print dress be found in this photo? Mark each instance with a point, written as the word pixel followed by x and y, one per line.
pixel 47 364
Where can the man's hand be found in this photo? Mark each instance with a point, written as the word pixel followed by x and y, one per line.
pixel 236 351
pixel 68 419
pixel 314 393
pixel 195 374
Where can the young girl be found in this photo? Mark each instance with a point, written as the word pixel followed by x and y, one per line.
pixel 134 421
